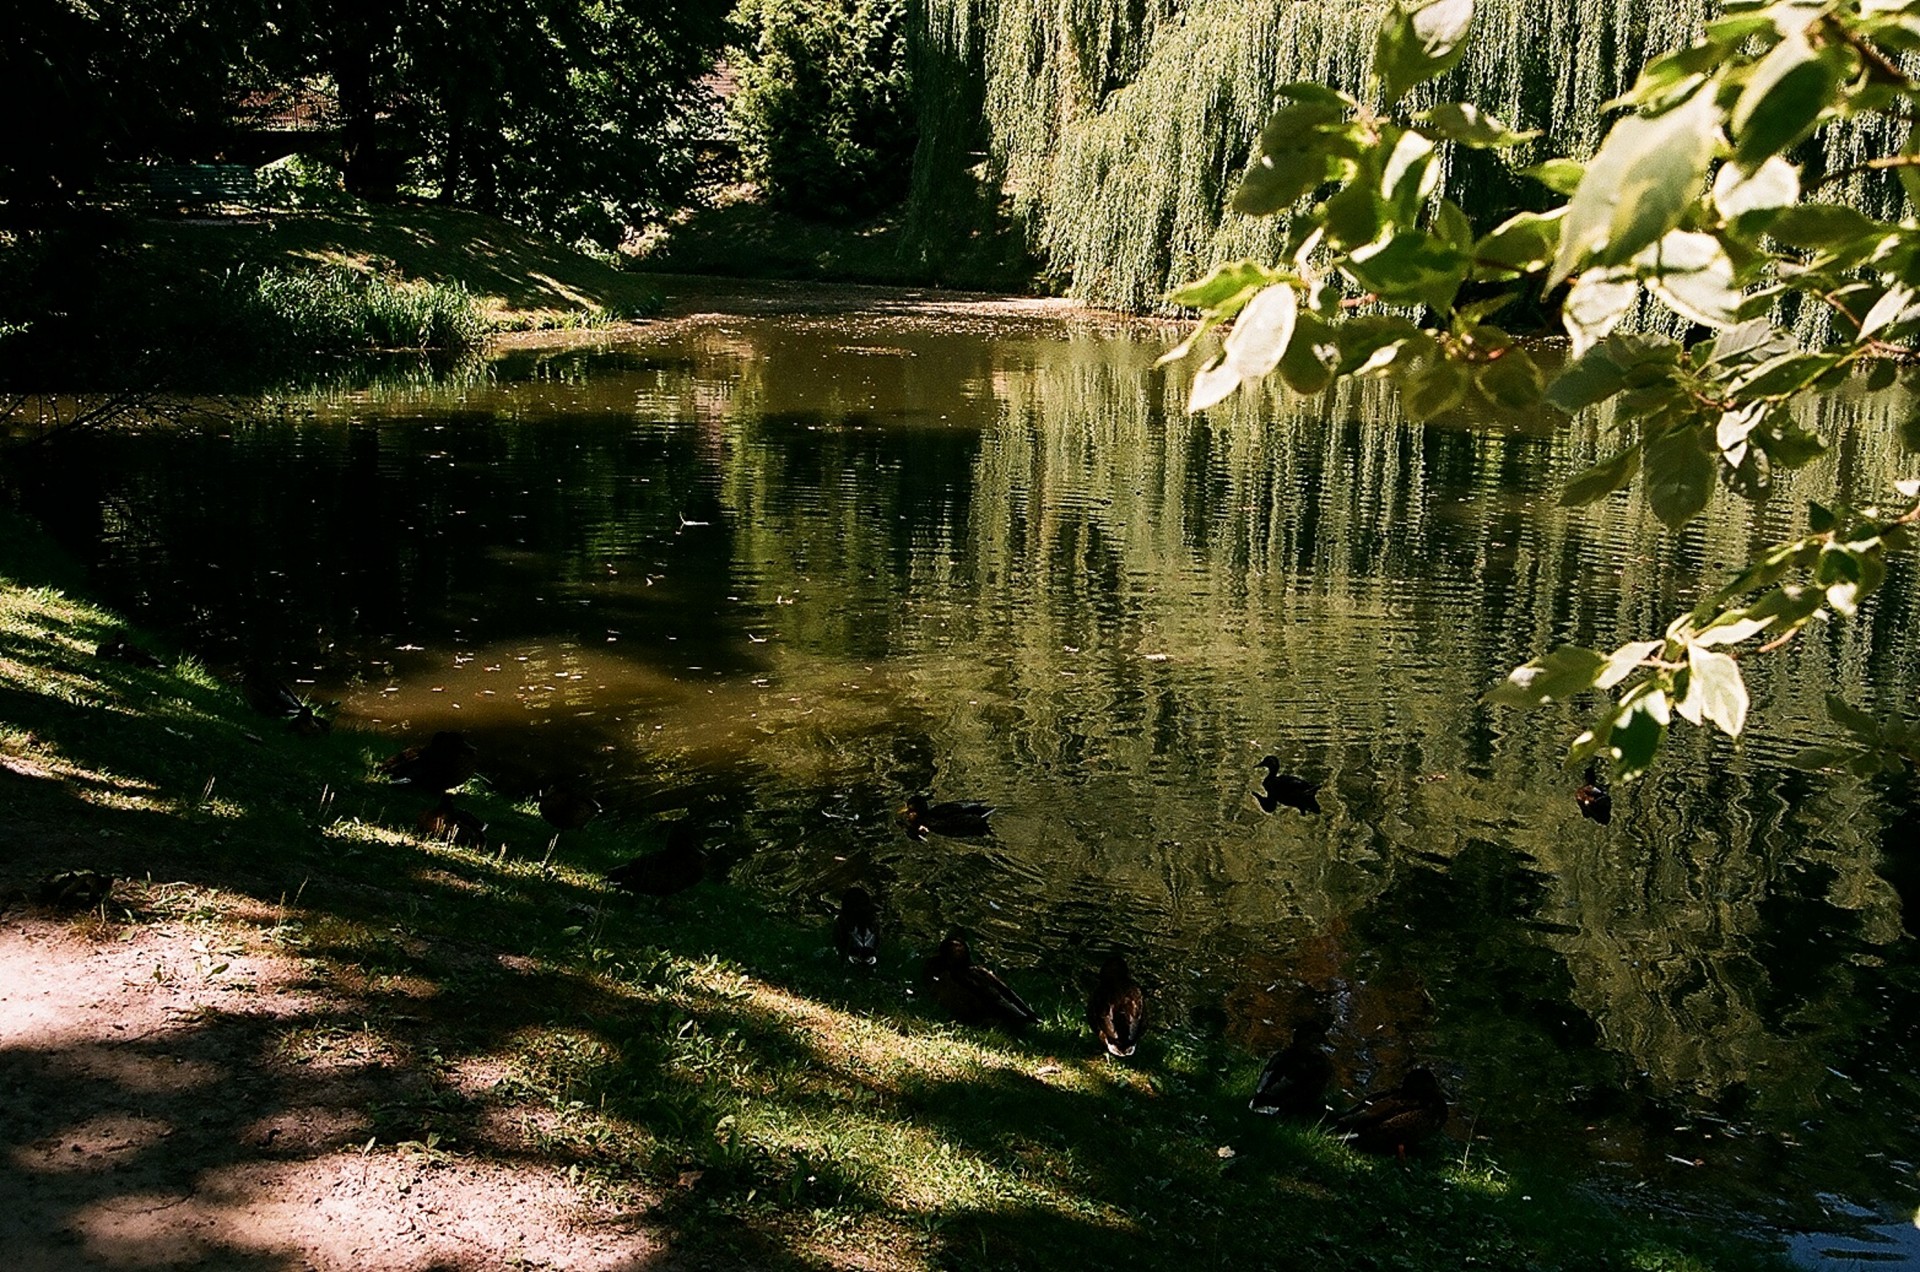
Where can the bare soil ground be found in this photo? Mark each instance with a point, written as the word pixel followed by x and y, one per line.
pixel 158 1109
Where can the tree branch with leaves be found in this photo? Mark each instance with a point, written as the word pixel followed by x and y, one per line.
pixel 1693 200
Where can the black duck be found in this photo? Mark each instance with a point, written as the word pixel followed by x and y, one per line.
pixel 1294 1082
pixel 1284 790
pixel 954 818
pixel 675 868
pixel 970 993
pixel 270 696
pixel 565 808
pixel 1117 1012
pixel 446 761
pixel 856 929
pixel 118 648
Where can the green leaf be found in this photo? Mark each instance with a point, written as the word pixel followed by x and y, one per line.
pixel 1519 245
pixel 1818 225
pixel 1354 216
pixel 1410 174
pixel 1253 348
pixel 1224 283
pixel 1588 380
pixel 1418 40
pixel 1774 184
pixel 1638 730
pixel 1562 176
pixel 1852 719
pixel 1601 480
pixel 1312 356
pixel 1679 475
pixel 1408 268
pixel 1648 171
pixel 1596 303
pixel 1511 381
pixel 1784 96
pixel 1813 758
pixel 1468 125
pixel 1450 226
pixel 1692 275
pixel 1568 670
pixel 1433 388
pixel 1276 180
pixel 1785 375
pixel 1374 343
pixel 1715 691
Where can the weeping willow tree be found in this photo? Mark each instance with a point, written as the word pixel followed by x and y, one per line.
pixel 1116 128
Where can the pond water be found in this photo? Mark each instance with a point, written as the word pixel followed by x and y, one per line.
pixel 781 572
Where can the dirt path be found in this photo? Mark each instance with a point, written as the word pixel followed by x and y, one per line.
pixel 154 1113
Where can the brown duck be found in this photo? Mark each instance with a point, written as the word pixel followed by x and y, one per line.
pixel 1393 1121
pixel 970 993
pixel 454 825
pixel 1117 1012
pixel 1596 802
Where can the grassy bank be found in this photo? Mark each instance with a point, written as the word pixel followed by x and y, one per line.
pixel 195 303
pixel 705 1057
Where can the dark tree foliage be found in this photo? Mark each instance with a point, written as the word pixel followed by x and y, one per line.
pixel 824 108
pixel 574 116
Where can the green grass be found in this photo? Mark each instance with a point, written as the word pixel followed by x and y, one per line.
pixel 708 1050
pixel 333 309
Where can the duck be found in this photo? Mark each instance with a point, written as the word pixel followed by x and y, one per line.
pixel 1278 790
pixel 675 868
pixel 1294 1082
pixel 954 818
pixel 117 647
pixel 1595 800
pixel 75 889
pixel 454 825
pixel 1117 1012
pixel 856 929
pixel 1393 1121
pixel 970 993
pixel 446 761
pixel 565 808
pixel 270 696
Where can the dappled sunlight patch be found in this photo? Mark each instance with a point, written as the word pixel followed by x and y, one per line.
pixel 92 1144
pixel 337 1045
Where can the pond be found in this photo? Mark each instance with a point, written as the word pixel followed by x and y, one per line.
pixel 778 572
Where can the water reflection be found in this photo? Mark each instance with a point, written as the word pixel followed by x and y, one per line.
pixel 794 570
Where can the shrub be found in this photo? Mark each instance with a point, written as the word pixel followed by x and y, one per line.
pixel 823 109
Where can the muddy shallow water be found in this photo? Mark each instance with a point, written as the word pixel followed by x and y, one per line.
pixel 784 570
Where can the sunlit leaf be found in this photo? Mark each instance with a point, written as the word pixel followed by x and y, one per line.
pixel 1253 348
pixel 1692 275
pixel 1596 303
pixel 1648 171
pixel 1715 691
pixel 1774 184
pixel 1223 284
pixel 1519 245
pixel 1638 731
pixel 1418 40
pixel 1624 661
pixel 1568 670
pixel 1562 176
pixel 1467 124
pixel 1312 356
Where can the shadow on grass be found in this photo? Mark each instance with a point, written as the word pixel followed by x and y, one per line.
pixel 696 1060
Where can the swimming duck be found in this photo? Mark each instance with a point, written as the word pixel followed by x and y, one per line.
pixel 955 818
pixel 565 808
pixel 675 868
pixel 446 761
pixel 970 993
pixel 270 696
pixel 1393 1121
pixel 1596 802
pixel 1294 1082
pixel 856 930
pixel 1279 789
pixel 454 825
pixel 1117 1012
pixel 118 648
